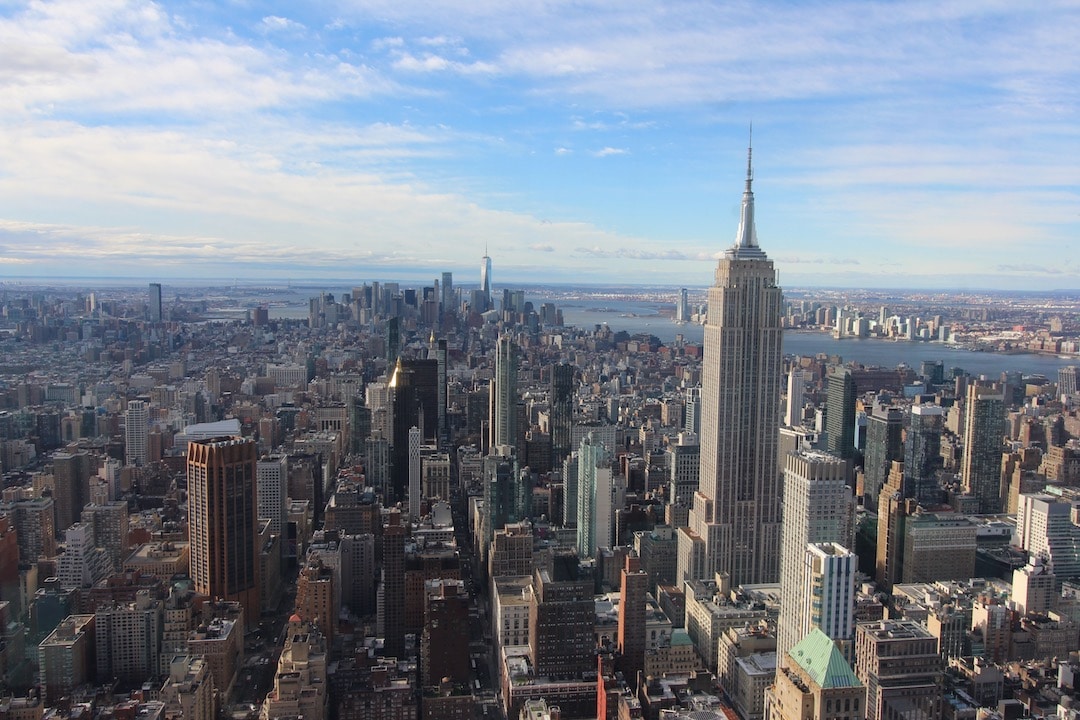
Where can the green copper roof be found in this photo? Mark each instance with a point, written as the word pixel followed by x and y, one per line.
pixel 818 655
pixel 680 637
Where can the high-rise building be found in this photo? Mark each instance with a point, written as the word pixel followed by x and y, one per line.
pixel 735 520
pixel 595 513
pixel 414 474
pixel 300 683
pixel 392 592
pixel 562 411
pixel 128 639
pixel 504 399
pixel 507 495
pixel 884 444
pixel 1067 380
pixel 1045 528
pixel 136 432
pixel 682 307
pixel 449 305
pixel 692 420
pixel 155 302
pixel 984 437
pixel 272 483
pixel 796 388
pixel 818 508
pixel 444 642
pixel 922 454
pixel 316 594
pixel 414 389
pixel 223 521
pixel 485 281
pixel 898 662
pixel 110 523
pixel 71 474
pixel 66 657
pixel 561 620
pixel 840 412
pixel 633 586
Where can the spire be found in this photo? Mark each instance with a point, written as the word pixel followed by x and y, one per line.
pixel 746 245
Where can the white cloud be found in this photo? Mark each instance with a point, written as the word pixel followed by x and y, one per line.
pixel 276 23
pixel 608 151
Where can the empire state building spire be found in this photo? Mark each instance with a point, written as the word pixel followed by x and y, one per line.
pixel 746 245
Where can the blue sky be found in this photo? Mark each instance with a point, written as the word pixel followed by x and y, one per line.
pixel 920 144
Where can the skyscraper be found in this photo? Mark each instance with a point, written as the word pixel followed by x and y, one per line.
pixel 735 520
pixel 796 389
pixel 984 436
pixel 504 398
pixel 595 511
pixel 840 413
pixel 155 302
pixel 562 411
pixel 485 280
pixel 136 432
pixel 223 523
pixel 415 391
pixel 922 454
pixel 447 300
pixel 884 444
pixel 818 508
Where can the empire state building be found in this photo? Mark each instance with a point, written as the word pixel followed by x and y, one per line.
pixel 734 524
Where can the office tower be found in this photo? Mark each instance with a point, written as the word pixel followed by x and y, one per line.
pixel 504 397
pixel 34 520
pixel 447 300
pixel 692 422
pixel 561 620
pixel 188 691
pixel 444 642
pixel 71 475
pixel 829 595
pixel 595 512
pixel 392 593
pixel 414 474
pixel 898 662
pixel 735 520
pixel 155 302
pixel 840 413
pixel 485 281
pixel 272 485
pixel 511 551
pixel 682 307
pixel 884 444
pixel 633 587
pixel 562 411
pixel 684 468
pixel 414 396
pixel 570 490
pixel 922 454
pixel 377 454
pixel 1067 380
pixel 815 682
pixel 818 508
pixel 1045 528
pixel 223 521
pixel 393 339
pixel 128 639
pixel 984 436
pixel 136 432
pixel 893 511
pixel 796 387
pixel 507 495
pixel 443 434
pixel 358 580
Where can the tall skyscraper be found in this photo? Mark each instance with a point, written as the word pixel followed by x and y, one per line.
pixel 562 411
pixel 223 522
pixel 414 388
pixel 448 302
pixel 884 444
pixel 392 593
pixel 504 396
pixel 735 520
pixel 155 302
pixel 984 437
pixel 633 586
pixel 840 413
pixel 272 483
pixel 136 432
pixel 796 388
pixel 818 508
pixel 1067 380
pixel 922 454
pixel 595 512
pixel 485 280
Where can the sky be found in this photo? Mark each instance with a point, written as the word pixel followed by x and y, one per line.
pixel 896 144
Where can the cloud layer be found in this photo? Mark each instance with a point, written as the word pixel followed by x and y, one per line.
pixel 919 140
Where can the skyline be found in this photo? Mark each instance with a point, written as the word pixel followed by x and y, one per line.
pixel 605 145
